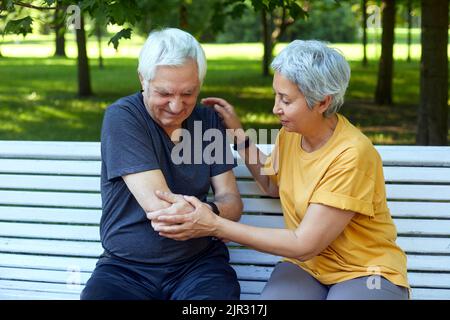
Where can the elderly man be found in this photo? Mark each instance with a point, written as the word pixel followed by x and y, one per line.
pixel 139 134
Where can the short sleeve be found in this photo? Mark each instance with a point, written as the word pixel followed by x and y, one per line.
pixel 126 146
pixel 227 161
pixel 348 184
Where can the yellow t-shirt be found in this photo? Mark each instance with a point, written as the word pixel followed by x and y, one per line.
pixel 345 173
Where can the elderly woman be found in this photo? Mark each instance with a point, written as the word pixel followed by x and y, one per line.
pixel 339 241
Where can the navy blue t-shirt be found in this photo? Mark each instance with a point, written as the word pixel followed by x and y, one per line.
pixel 133 142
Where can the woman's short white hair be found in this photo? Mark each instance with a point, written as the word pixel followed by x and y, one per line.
pixel 317 70
pixel 170 47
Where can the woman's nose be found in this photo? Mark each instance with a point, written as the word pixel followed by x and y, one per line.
pixel 276 109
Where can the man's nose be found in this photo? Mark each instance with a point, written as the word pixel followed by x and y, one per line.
pixel 176 105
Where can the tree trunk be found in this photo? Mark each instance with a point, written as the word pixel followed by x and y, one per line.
pixel 84 80
pixel 409 10
pixel 60 43
pixel 364 28
pixel 184 24
pixel 432 127
pixel 98 32
pixel 267 43
pixel 60 30
pixel 383 93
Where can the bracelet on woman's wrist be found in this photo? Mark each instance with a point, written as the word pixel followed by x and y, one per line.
pixel 243 145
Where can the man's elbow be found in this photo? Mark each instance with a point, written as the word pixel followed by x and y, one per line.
pixel 238 208
pixel 154 205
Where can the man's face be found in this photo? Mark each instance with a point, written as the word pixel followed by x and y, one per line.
pixel 172 94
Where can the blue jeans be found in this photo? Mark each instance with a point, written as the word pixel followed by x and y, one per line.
pixel 207 277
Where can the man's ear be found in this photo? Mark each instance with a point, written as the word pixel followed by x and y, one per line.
pixel 141 80
pixel 323 105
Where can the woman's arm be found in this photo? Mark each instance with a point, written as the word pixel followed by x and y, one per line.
pixel 319 228
pixel 253 157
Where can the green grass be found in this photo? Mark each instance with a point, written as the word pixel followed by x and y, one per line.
pixel 38 94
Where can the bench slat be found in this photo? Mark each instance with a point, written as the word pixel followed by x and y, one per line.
pixel 91 233
pixel 419 209
pixel 429 280
pixel 237 256
pixel 391 155
pixel 246 188
pixel 391 174
pixel 53 215
pixel 11 294
pixel 14 294
pixel 92 216
pixel 49 231
pixel 394 192
pixel 84 264
pixel 250 287
pixel 92 168
pixel 53 247
pixel 58 167
pixel 50 150
pixel 430 294
pixel 40 287
pixel 57 183
pixel 53 276
pixel 416 175
pixel 426 156
pixel 398 208
pixel 51 199
pixel 424 245
pixel 87 264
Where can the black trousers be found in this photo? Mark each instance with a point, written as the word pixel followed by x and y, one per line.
pixel 207 277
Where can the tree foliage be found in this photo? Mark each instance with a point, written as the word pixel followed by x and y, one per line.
pixel 118 12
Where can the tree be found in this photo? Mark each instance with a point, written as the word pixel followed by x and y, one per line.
pixel 60 30
pixel 276 16
pixel 432 127
pixel 409 11
pixel 84 79
pixel 383 92
pixel 117 12
pixel 98 34
pixel 364 30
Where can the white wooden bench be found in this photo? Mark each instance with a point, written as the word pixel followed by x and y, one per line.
pixel 50 208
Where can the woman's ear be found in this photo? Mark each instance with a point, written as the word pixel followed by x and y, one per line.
pixel 323 105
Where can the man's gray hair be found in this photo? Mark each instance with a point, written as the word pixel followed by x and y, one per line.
pixel 317 70
pixel 170 47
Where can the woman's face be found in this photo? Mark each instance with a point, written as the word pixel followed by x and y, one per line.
pixel 291 107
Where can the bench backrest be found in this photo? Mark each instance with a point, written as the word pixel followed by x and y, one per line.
pixel 50 208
